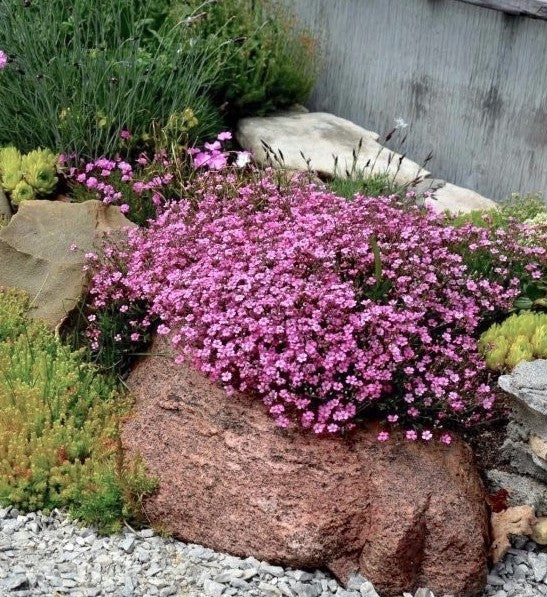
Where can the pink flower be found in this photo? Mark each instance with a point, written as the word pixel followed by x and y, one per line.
pixel 275 284
pixel 91 182
pixel 3 60
pixel 163 330
pixel 124 208
pixel 383 436
pixel 73 247
pixel 446 438
pixel 224 136
pixel 125 134
pixel 215 146
pixel 135 337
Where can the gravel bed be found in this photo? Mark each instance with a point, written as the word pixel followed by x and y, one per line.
pixel 51 556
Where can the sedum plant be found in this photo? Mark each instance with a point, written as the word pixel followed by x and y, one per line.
pixel 519 338
pixel 59 442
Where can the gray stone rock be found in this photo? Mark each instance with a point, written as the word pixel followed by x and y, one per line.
pixel 527 385
pixel 5 209
pixel 327 141
pixel 36 255
pixel 458 199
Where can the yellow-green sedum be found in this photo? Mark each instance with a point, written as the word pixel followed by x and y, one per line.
pixel 59 418
pixel 519 338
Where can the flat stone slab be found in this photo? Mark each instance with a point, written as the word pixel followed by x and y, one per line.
pixel 321 137
pixel 36 254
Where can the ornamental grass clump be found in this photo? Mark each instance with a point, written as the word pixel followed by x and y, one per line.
pixel 327 310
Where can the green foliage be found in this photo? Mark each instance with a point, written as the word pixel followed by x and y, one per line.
pixel 519 208
pixel 519 338
pixel 512 213
pixel 266 61
pixel 82 71
pixel 376 185
pixel 59 440
pixel 26 177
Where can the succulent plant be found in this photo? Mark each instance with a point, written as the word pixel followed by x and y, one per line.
pixel 39 170
pixel 10 168
pixel 519 338
pixel 22 192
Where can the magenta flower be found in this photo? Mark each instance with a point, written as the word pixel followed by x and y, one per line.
pixel 427 435
pixel 3 60
pixel 411 435
pixel 125 134
pixel 383 436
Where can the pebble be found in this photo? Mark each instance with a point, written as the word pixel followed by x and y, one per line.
pixel 50 555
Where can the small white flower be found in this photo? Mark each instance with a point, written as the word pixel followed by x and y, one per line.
pixel 400 123
pixel 243 158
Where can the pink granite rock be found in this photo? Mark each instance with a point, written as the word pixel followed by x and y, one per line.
pixel 402 514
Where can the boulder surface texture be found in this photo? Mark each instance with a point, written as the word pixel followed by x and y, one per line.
pixel 36 254
pixel 404 515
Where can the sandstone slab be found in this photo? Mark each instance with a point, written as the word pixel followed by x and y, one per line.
pixel 402 514
pixel 36 255
pixel 327 141
pixel 515 521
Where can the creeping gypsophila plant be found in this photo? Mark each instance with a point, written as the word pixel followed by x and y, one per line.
pixel 327 310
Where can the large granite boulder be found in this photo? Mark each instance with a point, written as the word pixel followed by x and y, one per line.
pixel 43 247
pixel 322 138
pixel 404 515
pixel 454 199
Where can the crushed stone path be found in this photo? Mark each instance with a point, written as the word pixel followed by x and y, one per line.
pixel 52 556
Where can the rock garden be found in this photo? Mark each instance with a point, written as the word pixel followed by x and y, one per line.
pixel 248 349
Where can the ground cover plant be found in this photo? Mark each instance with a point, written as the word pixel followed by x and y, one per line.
pixel 327 310
pixel 29 176
pixel 59 444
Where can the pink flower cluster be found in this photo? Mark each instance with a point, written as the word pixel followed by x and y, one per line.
pixel 3 59
pixel 104 177
pixel 328 310
pixel 214 157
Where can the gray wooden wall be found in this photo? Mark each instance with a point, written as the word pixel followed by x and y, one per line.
pixel 471 81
